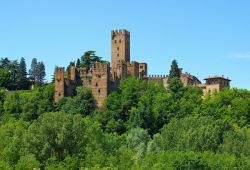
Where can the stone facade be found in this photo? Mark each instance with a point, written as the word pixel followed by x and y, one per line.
pixel 103 79
pixel 215 84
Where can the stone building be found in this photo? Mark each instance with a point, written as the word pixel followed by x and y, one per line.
pixel 103 78
pixel 215 84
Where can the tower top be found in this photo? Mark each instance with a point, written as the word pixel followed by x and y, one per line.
pixel 120 32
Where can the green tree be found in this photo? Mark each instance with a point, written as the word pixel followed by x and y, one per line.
pixel 174 71
pixel 27 162
pixel 22 75
pixel 78 63
pixel 55 134
pixel 88 59
pixel 5 78
pixel 40 73
pixel 32 71
pixel 83 103
pixel 190 133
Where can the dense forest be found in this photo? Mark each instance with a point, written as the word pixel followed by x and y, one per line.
pixel 142 126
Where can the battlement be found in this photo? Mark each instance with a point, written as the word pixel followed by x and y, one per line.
pixel 59 69
pixel 120 32
pixel 157 76
pixel 101 66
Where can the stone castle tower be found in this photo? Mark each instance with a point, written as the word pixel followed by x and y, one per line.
pixel 120 40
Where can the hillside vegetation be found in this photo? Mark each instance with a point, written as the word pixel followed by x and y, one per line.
pixel 142 126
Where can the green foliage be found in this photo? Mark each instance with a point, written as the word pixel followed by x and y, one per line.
pixel 55 134
pixel 5 78
pixel 22 75
pixel 27 162
pixel 28 105
pixel 174 71
pixel 190 134
pixel 142 126
pixel 237 142
pixel 175 85
pixel 88 59
pixel 230 104
pixel 82 103
pixel 11 135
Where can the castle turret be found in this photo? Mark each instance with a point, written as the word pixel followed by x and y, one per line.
pixel 100 82
pixel 59 83
pixel 120 48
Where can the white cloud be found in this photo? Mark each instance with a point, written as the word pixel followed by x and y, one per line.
pixel 245 55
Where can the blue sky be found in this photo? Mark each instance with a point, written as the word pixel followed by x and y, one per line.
pixel 207 37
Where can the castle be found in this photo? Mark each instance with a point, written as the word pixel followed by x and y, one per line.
pixel 103 78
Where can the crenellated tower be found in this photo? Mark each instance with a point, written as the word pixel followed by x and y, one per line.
pixel 59 83
pixel 120 40
pixel 100 82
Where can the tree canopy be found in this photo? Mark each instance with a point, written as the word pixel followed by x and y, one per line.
pixel 142 126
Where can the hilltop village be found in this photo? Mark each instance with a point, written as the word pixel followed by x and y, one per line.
pixel 104 78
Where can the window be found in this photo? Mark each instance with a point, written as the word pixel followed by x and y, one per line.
pixel 117 48
pixel 120 41
pixel 96 84
pixel 115 41
pixel 141 67
pixel 99 91
pixel 117 55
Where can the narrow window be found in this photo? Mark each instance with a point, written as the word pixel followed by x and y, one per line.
pixel 117 48
pixel 120 41
pixel 115 41
pixel 96 84
pixel 99 91
pixel 117 55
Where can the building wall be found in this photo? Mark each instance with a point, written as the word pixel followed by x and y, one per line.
pixel 143 69
pixel 133 69
pixel 211 88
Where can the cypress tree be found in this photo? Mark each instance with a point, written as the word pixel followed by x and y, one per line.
pixel 40 72
pixel 32 71
pixel 22 75
pixel 174 71
pixel 78 63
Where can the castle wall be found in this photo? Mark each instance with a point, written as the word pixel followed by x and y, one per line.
pixel 143 69
pixel 133 69
pixel 121 71
pixel 84 77
pixel 59 83
pixel 72 73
